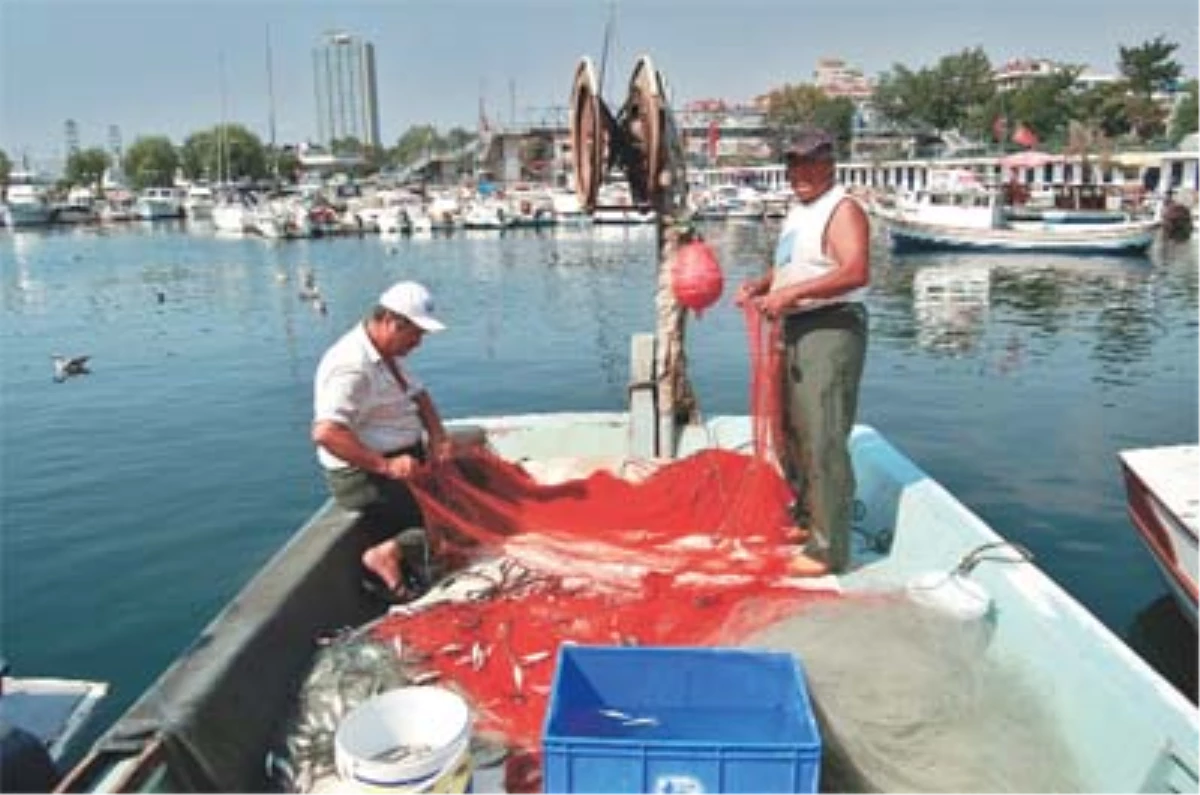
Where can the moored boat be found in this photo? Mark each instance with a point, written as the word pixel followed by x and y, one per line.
pixel 213 719
pixel 974 220
pixel 26 201
pixel 40 718
pixel 1163 488
pixel 157 203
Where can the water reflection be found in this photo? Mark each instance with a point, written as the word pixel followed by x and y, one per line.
pixel 1017 308
pixel 1165 639
pixel 950 305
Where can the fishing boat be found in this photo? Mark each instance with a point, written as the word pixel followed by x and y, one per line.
pixel 1163 488
pixel 218 718
pixel 975 220
pixel 47 715
pixel 210 720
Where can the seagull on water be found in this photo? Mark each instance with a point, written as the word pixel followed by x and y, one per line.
pixel 67 366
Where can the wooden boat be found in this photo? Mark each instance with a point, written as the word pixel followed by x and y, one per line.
pixel 206 724
pixel 974 220
pixel 1163 487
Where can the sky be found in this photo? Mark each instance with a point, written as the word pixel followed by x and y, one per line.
pixel 154 66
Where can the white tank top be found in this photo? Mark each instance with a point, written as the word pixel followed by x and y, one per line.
pixel 800 254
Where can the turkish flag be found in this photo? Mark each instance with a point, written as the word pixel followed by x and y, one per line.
pixel 1025 137
pixel 714 136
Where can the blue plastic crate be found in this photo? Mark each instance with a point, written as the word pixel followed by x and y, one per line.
pixel 653 719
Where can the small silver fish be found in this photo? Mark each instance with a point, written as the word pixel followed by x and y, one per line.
pixel 425 677
pixel 518 678
pixel 640 722
pixel 536 656
pixel 615 714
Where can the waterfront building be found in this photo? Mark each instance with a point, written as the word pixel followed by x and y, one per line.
pixel 838 79
pixel 1134 175
pixel 1021 72
pixel 347 96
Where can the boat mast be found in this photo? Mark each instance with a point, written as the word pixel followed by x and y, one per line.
pixel 271 105
pixel 222 168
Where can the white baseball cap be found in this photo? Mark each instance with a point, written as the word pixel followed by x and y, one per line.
pixel 414 302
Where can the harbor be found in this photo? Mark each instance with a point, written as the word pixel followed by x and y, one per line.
pixel 629 553
pixel 963 343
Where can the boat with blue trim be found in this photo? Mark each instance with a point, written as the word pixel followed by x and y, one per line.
pixel 212 721
pixel 976 220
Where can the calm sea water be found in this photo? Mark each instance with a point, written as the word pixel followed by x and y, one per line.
pixel 137 500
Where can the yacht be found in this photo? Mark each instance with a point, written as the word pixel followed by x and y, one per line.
pixel 198 203
pixel 79 208
pixel 156 203
pixel 27 203
pixel 232 214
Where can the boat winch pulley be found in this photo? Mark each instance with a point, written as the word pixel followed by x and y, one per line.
pixel 641 139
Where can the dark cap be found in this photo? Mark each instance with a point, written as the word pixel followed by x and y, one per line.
pixel 810 144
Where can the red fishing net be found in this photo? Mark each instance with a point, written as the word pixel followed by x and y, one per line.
pixel 695 553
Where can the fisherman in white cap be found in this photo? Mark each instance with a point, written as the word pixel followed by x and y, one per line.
pixel 375 424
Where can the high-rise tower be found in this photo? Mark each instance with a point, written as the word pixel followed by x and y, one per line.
pixel 344 81
pixel 72 135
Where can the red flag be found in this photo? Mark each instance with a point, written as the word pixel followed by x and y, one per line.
pixel 714 136
pixel 999 128
pixel 1025 137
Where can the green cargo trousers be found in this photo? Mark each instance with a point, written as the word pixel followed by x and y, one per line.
pixel 824 350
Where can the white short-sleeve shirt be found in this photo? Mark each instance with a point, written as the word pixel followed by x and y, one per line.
pixel 354 388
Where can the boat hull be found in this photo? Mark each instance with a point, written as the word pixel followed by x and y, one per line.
pixel 1106 239
pixel 1161 487
pixel 1128 729
pixel 22 214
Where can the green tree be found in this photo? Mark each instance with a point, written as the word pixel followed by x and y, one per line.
pixel 1183 119
pixel 227 152
pixel 416 142
pixel 804 105
pixel 373 159
pixel 1150 67
pixel 961 83
pixel 457 138
pixel 87 166
pixel 5 170
pixel 282 163
pixel 1104 107
pixel 1147 118
pixel 947 96
pixel 1043 105
pixel 151 161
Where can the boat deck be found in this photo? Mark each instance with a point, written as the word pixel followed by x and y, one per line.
pixel 1172 474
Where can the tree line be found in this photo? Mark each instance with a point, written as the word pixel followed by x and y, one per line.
pixel 957 93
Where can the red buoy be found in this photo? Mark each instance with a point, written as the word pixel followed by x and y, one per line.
pixel 696 277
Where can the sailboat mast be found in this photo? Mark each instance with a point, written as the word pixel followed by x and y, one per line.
pixel 271 104
pixel 222 168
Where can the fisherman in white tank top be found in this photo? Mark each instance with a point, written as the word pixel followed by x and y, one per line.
pixel 815 289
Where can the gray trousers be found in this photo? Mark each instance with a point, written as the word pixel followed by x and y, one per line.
pixel 823 364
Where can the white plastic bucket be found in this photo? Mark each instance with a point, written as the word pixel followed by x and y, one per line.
pixel 435 723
